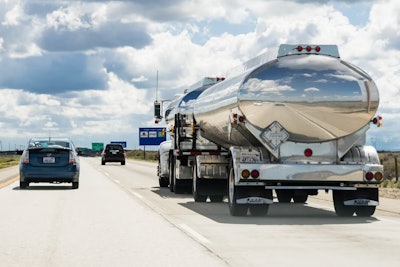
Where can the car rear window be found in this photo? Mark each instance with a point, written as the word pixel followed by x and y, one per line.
pixel 49 144
pixel 114 147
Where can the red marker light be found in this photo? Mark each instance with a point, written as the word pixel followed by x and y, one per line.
pixel 369 176
pixel 308 152
pixel 241 118
pixel 309 48
pixel 317 48
pixel 299 48
pixel 255 174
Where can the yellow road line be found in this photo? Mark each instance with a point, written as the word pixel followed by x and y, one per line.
pixel 4 184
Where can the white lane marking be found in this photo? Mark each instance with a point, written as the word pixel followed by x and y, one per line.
pixel 193 233
pixel 106 174
pixel 137 195
pixel 117 181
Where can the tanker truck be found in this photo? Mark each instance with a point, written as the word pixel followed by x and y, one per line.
pixel 292 122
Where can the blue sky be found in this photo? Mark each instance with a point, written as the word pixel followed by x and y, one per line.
pixel 87 69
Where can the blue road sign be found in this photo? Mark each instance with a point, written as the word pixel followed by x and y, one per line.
pixel 152 136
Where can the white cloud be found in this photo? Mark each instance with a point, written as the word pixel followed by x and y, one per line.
pixel 92 64
pixel 14 16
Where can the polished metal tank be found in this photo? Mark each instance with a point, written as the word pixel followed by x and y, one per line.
pixel 314 96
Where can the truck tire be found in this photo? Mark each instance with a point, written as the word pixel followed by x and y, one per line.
pixel 258 209
pixel 284 195
pixel 217 198
pixel 23 185
pixel 341 209
pixel 365 211
pixel 300 198
pixel 171 173
pixel 235 209
pixel 195 185
pixel 163 182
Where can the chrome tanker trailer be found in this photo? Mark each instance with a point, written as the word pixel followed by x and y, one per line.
pixel 294 123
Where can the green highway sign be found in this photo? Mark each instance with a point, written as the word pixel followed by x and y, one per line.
pixel 97 146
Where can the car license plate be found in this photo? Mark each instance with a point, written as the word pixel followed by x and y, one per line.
pixel 49 159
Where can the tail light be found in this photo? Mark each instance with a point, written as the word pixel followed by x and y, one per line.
pixel 377 121
pixel 25 157
pixel 254 174
pixel 369 176
pixel 72 158
pixel 308 152
pixel 378 176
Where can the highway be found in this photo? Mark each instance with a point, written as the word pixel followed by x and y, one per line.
pixel 120 217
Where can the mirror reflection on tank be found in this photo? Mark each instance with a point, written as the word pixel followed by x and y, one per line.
pixel 319 98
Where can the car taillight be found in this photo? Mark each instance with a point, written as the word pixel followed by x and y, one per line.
pixel 72 158
pixel 25 157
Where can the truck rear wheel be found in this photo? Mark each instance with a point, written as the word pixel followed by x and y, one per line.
pixel 163 181
pixel 235 209
pixel 195 185
pixel 284 195
pixel 365 211
pixel 258 209
pixel 171 173
pixel 216 198
pixel 179 187
pixel 300 198
pixel 338 202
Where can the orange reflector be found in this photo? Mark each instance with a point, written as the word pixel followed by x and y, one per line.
pixel 245 174
pixel 378 176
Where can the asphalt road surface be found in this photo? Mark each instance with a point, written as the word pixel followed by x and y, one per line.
pixel 120 217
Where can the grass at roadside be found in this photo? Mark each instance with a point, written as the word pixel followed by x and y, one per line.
pixel 8 161
pixel 141 155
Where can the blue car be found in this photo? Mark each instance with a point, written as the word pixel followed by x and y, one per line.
pixel 52 160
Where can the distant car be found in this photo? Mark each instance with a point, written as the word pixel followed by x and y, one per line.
pixel 52 160
pixel 113 153
pixel 87 153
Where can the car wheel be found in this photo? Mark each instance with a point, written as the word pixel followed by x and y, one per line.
pixel 122 162
pixel 23 185
pixel 75 185
pixel 103 162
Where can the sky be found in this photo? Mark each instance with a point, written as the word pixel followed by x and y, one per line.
pixel 87 70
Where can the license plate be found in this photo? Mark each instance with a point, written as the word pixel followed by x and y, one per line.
pixel 49 159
